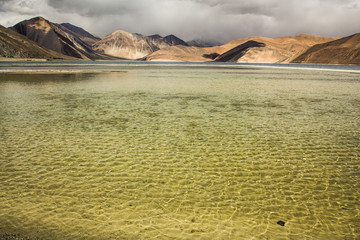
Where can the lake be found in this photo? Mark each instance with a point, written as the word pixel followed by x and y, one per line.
pixel 141 151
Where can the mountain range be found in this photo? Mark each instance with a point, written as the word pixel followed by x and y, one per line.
pixel 40 38
pixel 59 38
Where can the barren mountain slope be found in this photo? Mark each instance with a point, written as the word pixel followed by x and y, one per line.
pixel 342 51
pixel 79 32
pixel 15 45
pixel 134 46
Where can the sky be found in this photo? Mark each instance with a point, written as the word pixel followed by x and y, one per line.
pixel 211 20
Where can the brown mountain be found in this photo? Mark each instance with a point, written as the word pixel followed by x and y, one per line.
pixel 342 51
pixel 173 40
pixel 79 32
pixel 276 50
pixel 133 45
pixel 129 45
pixel 15 45
pixel 52 36
pixel 185 54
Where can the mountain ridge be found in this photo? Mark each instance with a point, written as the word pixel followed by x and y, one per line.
pixel 80 33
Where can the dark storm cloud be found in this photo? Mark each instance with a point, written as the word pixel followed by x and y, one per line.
pixel 98 8
pixel 221 20
pixel 242 7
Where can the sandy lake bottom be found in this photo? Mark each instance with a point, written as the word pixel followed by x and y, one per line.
pixel 180 153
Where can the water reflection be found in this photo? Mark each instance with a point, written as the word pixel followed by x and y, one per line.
pixel 42 78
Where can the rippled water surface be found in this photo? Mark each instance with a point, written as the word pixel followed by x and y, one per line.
pixel 180 153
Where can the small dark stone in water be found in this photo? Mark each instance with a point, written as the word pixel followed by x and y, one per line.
pixel 281 223
pixel 7 236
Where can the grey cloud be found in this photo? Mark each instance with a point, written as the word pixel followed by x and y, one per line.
pixel 266 9
pixel 256 7
pixel 211 3
pixel 98 8
pixel 23 7
pixel 222 20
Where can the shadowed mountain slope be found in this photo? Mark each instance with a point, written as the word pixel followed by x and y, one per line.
pixel 342 51
pixel 234 54
pixel 79 32
pixel 173 40
pixel 15 45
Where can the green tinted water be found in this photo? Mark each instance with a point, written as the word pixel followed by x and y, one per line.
pixel 183 153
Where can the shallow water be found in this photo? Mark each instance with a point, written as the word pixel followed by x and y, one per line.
pixel 179 152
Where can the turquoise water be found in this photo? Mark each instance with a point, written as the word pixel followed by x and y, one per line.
pixel 180 152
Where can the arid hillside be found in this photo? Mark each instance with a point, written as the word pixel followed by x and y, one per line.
pixel 133 45
pixel 15 45
pixel 342 51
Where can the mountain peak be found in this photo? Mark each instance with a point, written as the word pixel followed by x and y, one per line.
pixel 119 32
pixel 38 23
pixel 155 36
pixel 174 40
pixel 129 45
pixel 38 18
pixel 303 35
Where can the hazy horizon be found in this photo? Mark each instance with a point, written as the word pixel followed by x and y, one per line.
pixel 212 20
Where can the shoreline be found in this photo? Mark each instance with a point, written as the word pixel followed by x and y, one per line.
pixel 3 59
pixel 58 71
pixel 53 67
